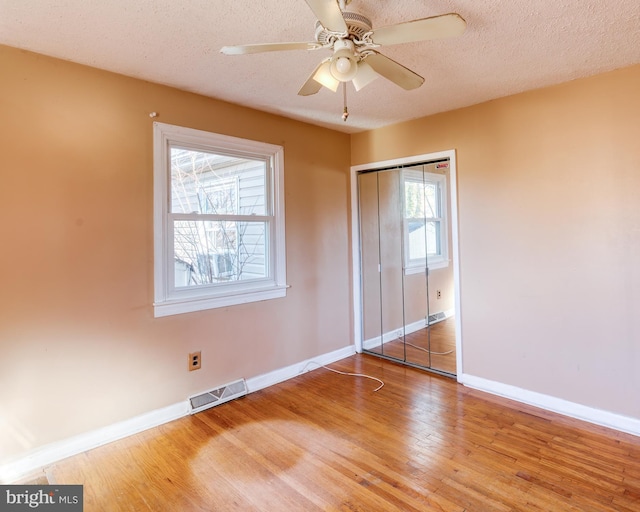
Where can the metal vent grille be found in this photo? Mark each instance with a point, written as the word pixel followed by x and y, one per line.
pixel 436 318
pixel 218 396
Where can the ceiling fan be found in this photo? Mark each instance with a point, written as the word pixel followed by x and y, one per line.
pixel 355 44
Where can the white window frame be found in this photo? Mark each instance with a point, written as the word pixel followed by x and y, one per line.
pixel 442 259
pixel 172 301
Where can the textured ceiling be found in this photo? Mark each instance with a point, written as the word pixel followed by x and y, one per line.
pixel 509 46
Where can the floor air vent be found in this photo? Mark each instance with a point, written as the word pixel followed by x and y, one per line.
pixel 436 318
pixel 218 396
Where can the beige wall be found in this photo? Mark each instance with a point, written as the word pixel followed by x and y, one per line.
pixel 549 227
pixel 548 186
pixel 79 346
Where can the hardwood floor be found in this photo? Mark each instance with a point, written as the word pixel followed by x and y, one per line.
pixel 324 441
pixel 432 348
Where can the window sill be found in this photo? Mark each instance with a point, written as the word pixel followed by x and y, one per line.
pixel 177 307
pixel 432 266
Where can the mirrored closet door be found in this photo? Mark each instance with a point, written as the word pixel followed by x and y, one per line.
pixel 407 277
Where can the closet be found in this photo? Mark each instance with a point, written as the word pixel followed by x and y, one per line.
pixel 407 283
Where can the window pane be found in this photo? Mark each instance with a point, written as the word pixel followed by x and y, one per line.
pixel 207 252
pixel 431 197
pixel 421 199
pixel 203 182
pixel 413 199
pixel 424 239
pixel 433 238
pixel 417 249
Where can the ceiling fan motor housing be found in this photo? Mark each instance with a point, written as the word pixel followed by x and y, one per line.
pixel 357 26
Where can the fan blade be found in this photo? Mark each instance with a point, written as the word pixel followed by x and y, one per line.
pixel 395 72
pixel 267 47
pixel 328 14
pixel 311 86
pixel 436 27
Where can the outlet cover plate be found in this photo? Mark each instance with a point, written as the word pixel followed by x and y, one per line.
pixel 195 361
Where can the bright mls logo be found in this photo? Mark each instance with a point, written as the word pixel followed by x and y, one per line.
pixel 50 498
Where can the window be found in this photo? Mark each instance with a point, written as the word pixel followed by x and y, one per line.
pixel 425 223
pixel 218 220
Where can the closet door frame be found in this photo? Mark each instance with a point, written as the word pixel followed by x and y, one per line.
pixel 454 254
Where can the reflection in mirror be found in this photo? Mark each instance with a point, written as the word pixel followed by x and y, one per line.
pixel 415 204
pixel 428 273
pixel 441 299
pixel 370 262
pixel 407 279
pixel 391 263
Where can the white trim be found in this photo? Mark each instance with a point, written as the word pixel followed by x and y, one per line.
pixel 554 404
pixel 408 160
pixel 355 262
pixel 48 454
pixel 435 261
pixel 44 456
pixel 376 341
pixel 420 269
pixel 168 300
pixel 453 255
pixel 197 304
pixel 277 376
pixel 408 329
pixel 279 248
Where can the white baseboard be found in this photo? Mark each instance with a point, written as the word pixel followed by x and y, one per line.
pixel 48 454
pixel 39 458
pixel 554 404
pixel 393 335
pixel 271 378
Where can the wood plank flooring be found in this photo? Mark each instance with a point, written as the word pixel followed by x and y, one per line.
pixel 328 442
pixel 432 348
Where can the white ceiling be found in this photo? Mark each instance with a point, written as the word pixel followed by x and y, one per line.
pixel 509 46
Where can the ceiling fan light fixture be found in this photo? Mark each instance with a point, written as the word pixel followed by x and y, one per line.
pixel 364 76
pixel 323 76
pixel 344 64
pixel 344 68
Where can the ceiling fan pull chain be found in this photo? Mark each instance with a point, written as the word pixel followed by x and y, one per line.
pixel 345 112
